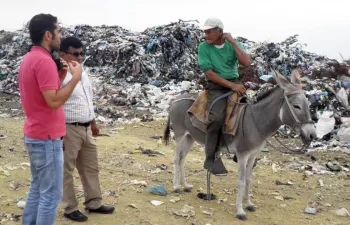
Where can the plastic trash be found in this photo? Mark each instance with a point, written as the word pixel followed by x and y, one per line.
pixel 325 124
pixel 158 190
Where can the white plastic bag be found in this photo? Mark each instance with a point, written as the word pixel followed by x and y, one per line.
pixel 325 124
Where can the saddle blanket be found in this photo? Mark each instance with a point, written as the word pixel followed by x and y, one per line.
pixel 199 111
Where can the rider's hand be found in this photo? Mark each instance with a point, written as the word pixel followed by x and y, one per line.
pixel 240 89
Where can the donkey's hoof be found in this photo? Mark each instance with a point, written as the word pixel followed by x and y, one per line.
pixel 251 208
pixel 177 190
pixel 188 189
pixel 241 217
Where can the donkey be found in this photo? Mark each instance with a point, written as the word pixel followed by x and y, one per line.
pixel 285 104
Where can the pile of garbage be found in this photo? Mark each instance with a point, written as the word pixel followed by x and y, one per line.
pixel 159 54
pixel 138 74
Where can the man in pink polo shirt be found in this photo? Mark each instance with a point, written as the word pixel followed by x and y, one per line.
pixel 44 127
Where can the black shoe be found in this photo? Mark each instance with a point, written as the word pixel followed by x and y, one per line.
pixel 217 167
pixel 76 216
pixel 102 210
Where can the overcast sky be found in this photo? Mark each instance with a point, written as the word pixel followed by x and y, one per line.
pixel 323 25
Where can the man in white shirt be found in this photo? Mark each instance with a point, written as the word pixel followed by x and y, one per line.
pixel 80 150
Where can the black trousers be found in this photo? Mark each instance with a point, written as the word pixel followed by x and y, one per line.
pixel 216 119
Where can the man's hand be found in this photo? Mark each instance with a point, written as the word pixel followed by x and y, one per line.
pixel 228 36
pixel 76 69
pixel 240 89
pixel 94 129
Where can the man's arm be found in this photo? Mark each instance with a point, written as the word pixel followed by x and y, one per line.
pixel 56 98
pixel 48 80
pixel 242 57
pixel 206 66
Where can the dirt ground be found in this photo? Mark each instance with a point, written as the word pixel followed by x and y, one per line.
pixel 118 168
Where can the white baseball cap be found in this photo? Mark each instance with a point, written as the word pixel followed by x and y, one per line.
pixel 211 23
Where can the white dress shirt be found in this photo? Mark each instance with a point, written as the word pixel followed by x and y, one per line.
pixel 79 107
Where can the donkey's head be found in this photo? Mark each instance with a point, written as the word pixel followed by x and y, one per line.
pixel 295 111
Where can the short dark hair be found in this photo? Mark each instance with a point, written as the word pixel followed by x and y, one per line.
pixel 39 24
pixel 70 42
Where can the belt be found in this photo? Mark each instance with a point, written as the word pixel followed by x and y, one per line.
pixel 81 124
pixel 231 80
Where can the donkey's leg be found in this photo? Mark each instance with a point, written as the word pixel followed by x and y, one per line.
pixel 249 205
pixel 242 173
pixel 186 145
pixel 177 155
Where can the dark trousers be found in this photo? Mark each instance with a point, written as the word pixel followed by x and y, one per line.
pixel 216 119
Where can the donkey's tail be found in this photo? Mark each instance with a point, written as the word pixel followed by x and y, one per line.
pixel 166 135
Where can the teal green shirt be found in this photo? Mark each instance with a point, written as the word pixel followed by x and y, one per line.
pixel 223 61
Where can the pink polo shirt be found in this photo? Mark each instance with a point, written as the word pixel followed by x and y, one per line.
pixel 38 73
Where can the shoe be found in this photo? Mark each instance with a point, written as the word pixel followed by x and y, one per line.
pixel 76 216
pixel 216 168
pixel 102 210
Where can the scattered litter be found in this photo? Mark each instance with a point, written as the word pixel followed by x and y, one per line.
pixel 2 136
pixel 4 173
pixel 25 164
pixel 265 150
pixel 342 212
pixel 281 198
pixel 148 152
pixel 112 194
pixel 9 217
pixel 79 191
pixel 207 213
pixel 15 185
pixel 312 211
pixel 133 206
pixel 334 167
pixel 156 137
pixel 21 204
pixel 136 182
pixel 186 211
pixel 158 170
pixel 176 199
pixel 222 200
pixel 163 167
pixel 289 183
pixel 158 190
pixel 157 203
pixel 320 182
pixel 274 168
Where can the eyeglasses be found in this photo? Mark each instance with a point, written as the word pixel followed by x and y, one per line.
pixel 76 54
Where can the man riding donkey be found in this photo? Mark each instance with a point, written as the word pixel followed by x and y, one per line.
pixel 218 58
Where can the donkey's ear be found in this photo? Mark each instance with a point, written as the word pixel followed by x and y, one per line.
pixel 281 80
pixel 295 77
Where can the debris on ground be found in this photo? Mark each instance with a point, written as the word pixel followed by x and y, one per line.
pixel 9 217
pixel 21 204
pixel 148 152
pixel 158 190
pixel 207 213
pixel 289 183
pixel 341 212
pixel 141 183
pixel 312 211
pixel 186 211
pixel 157 203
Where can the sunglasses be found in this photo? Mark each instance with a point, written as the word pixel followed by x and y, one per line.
pixel 76 54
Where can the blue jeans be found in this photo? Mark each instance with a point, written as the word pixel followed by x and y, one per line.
pixel 46 186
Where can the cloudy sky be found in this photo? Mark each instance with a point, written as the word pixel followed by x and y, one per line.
pixel 323 25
